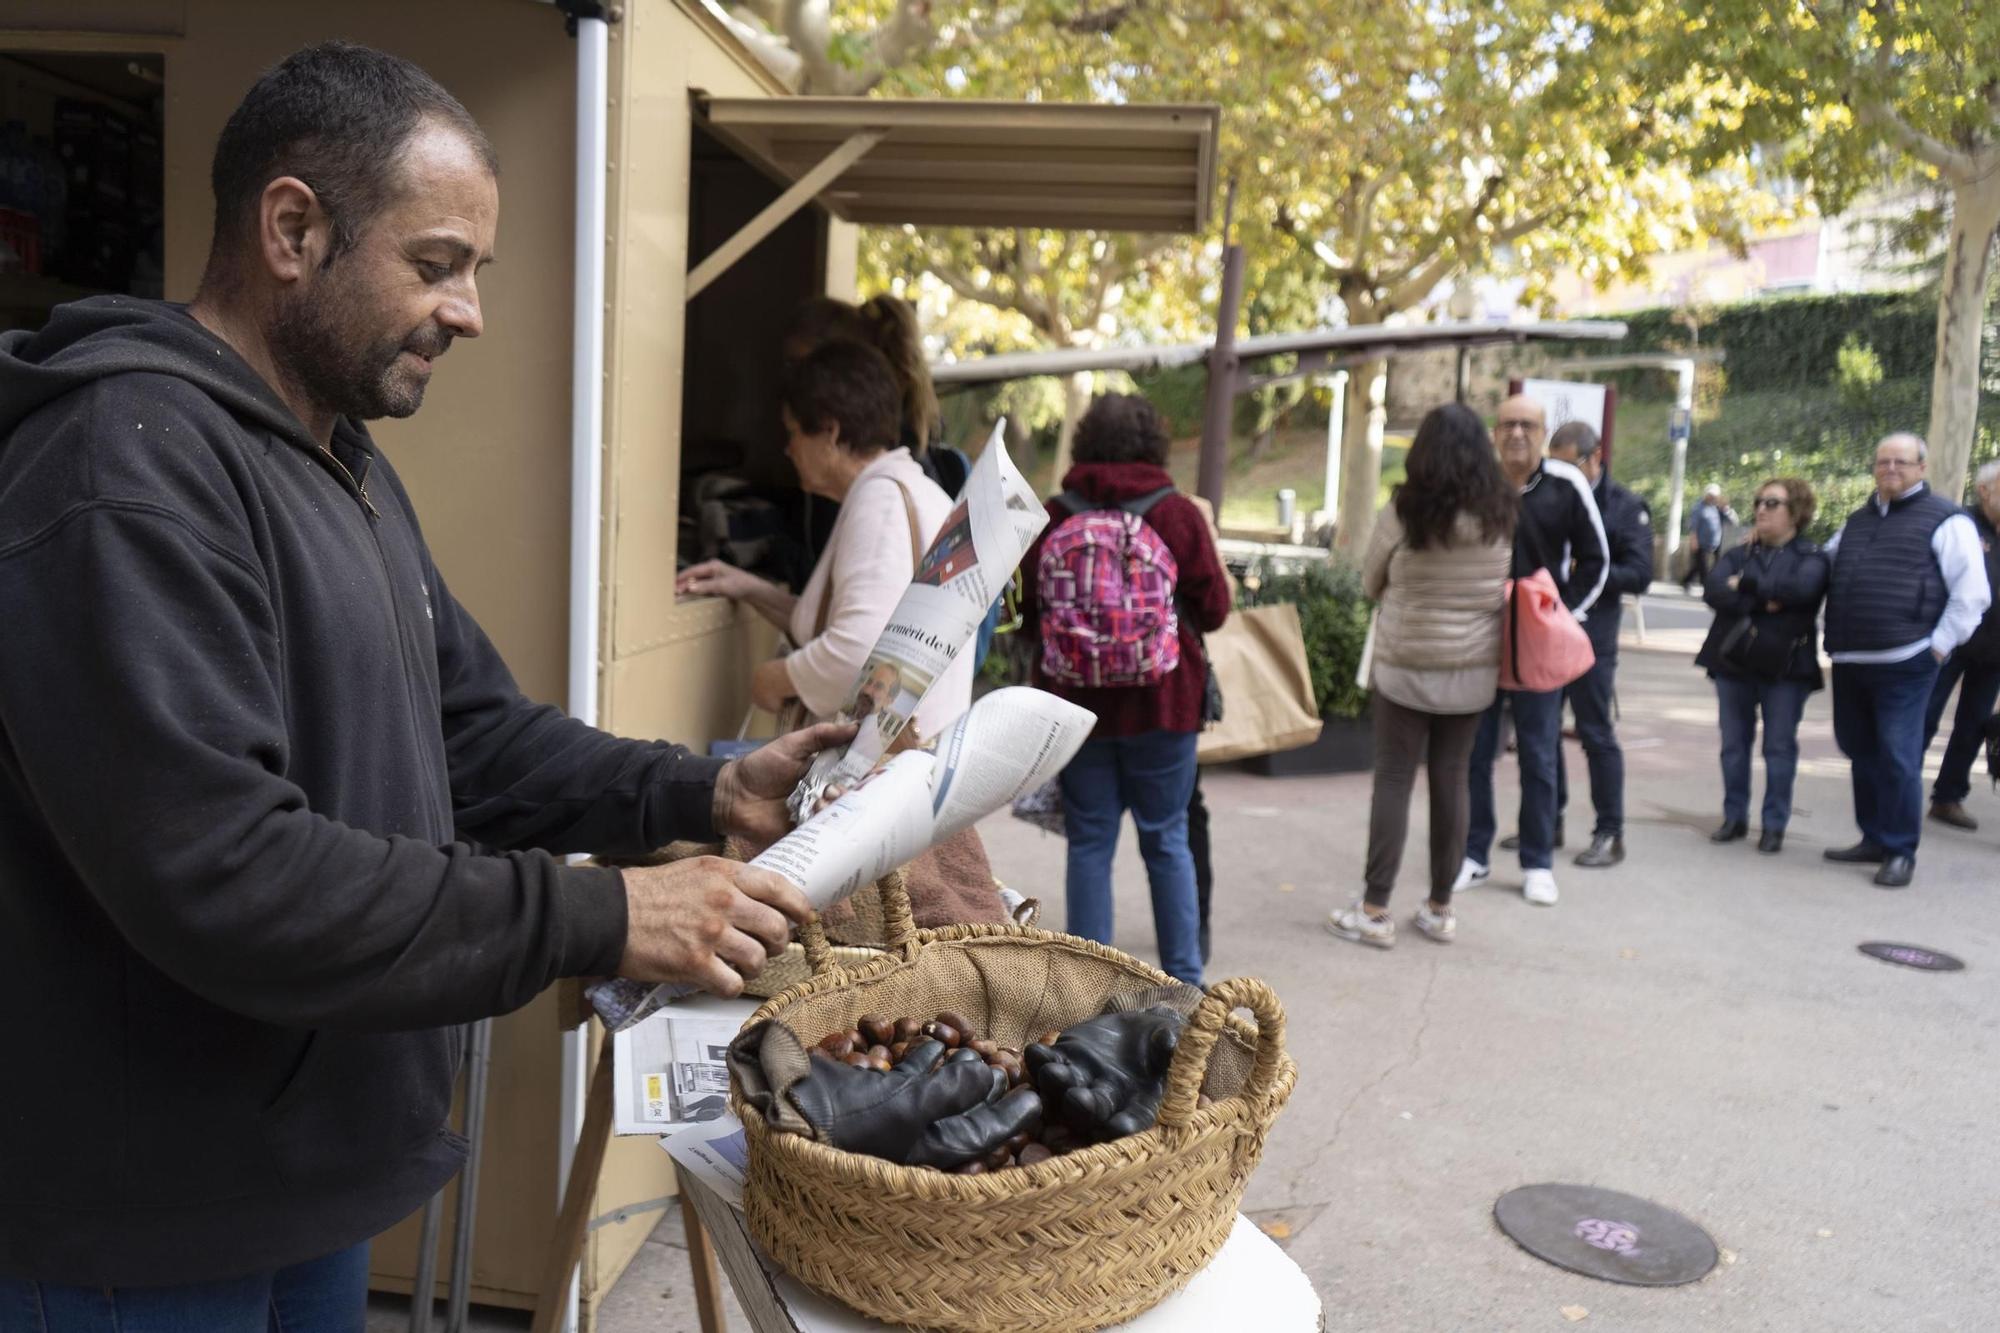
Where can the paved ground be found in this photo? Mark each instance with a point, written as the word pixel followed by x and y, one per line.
pixel 1694 1026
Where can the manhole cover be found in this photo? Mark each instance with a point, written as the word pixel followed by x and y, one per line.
pixel 1604 1234
pixel 1911 955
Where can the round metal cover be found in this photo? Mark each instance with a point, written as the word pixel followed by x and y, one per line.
pixel 1604 1234
pixel 1912 955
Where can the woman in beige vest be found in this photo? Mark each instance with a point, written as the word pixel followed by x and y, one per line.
pixel 1437 565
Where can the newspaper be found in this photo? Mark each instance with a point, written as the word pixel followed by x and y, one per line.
pixel 671 1070
pixel 1011 741
pixel 961 575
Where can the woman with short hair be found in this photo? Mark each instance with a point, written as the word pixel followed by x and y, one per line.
pixel 842 412
pixel 1437 564
pixel 1762 652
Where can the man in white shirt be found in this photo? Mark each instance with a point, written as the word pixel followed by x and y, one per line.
pixel 1909 585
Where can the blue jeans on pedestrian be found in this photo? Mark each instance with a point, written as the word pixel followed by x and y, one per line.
pixel 1878 722
pixel 328 1295
pixel 1980 690
pixel 1783 703
pixel 1593 698
pixel 1152 775
pixel 1537 736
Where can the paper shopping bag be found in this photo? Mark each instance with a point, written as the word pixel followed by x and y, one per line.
pixel 1259 655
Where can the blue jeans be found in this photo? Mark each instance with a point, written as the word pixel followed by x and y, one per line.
pixel 1537 735
pixel 1878 722
pixel 1592 697
pixel 1975 704
pixel 1737 703
pixel 328 1295
pixel 1152 775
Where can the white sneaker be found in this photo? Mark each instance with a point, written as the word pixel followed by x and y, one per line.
pixel 1539 887
pixel 1469 874
pixel 1355 924
pixel 1442 928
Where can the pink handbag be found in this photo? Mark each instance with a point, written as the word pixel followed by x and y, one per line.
pixel 1542 645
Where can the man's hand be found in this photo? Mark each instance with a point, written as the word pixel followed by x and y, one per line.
pixel 707 921
pixel 750 792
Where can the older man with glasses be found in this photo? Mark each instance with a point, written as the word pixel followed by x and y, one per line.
pixel 1560 530
pixel 1909 586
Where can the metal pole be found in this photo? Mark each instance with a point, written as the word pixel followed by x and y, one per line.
pixel 1678 431
pixel 1336 426
pixel 1222 364
pixel 1464 388
pixel 477 1068
pixel 423 1288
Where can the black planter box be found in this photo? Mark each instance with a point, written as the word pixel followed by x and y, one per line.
pixel 1345 745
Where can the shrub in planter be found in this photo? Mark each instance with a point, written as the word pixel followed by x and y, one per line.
pixel 1334 617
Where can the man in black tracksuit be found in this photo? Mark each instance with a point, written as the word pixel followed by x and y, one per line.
pixel 273 816
pixel 1559 530
pixel 1628 530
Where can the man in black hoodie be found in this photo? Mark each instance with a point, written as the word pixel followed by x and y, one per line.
pixel 273 815
pixel 1628 529
pixel 1560 530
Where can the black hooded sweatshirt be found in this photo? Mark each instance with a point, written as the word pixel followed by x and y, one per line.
pixel 242 723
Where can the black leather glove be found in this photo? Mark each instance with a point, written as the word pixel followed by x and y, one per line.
pixel 974 1134
pixel 1105 1077
pixel 884 1115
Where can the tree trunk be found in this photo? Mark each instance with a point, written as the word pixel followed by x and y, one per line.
pixel 1975 216
pixel 1076 398
pixel 1361 455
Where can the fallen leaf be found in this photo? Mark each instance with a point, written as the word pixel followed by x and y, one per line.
pixel 1824 1234
pixel 1628 953
pixel 1288 888
pixel 1574 1313
pixel 1729 1256
pixel 1278 1230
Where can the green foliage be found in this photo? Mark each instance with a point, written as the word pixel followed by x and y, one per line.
pixel 1793 342
pixel 1334 616
pixel 1857 372
pixel 1180 395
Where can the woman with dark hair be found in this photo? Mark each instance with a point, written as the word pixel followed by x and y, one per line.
pixel 1437 565
pixel 842 410
pixel 1762 652
pixel 1141 755
pixel 890 327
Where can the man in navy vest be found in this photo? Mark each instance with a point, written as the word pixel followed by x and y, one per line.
pixel 1909 586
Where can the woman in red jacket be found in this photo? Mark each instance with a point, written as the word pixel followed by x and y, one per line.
pixel 1141 756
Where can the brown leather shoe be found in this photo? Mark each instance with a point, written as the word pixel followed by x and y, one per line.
pixel 1952 813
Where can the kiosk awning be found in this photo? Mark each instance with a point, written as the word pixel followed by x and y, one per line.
pixel 941 163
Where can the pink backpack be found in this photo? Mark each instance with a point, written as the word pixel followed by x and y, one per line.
pixel 1542 646
pixel 1106 583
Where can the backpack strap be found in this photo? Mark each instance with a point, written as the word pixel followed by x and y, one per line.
pixel 1138 506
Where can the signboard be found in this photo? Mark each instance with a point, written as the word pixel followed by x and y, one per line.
pixel 1568 400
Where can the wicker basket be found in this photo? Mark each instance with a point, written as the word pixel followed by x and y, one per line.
pixel 1068 1245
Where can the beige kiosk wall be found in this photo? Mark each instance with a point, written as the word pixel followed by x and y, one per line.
pixel 487 459
pixel 672 670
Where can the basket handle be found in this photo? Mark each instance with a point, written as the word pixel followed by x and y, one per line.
pixel 1198 1038
pixel 897 919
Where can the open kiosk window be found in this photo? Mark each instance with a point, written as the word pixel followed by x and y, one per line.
pixel 740 498
pixel 82 180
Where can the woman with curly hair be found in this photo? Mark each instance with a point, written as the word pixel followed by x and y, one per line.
pixel 1437 566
